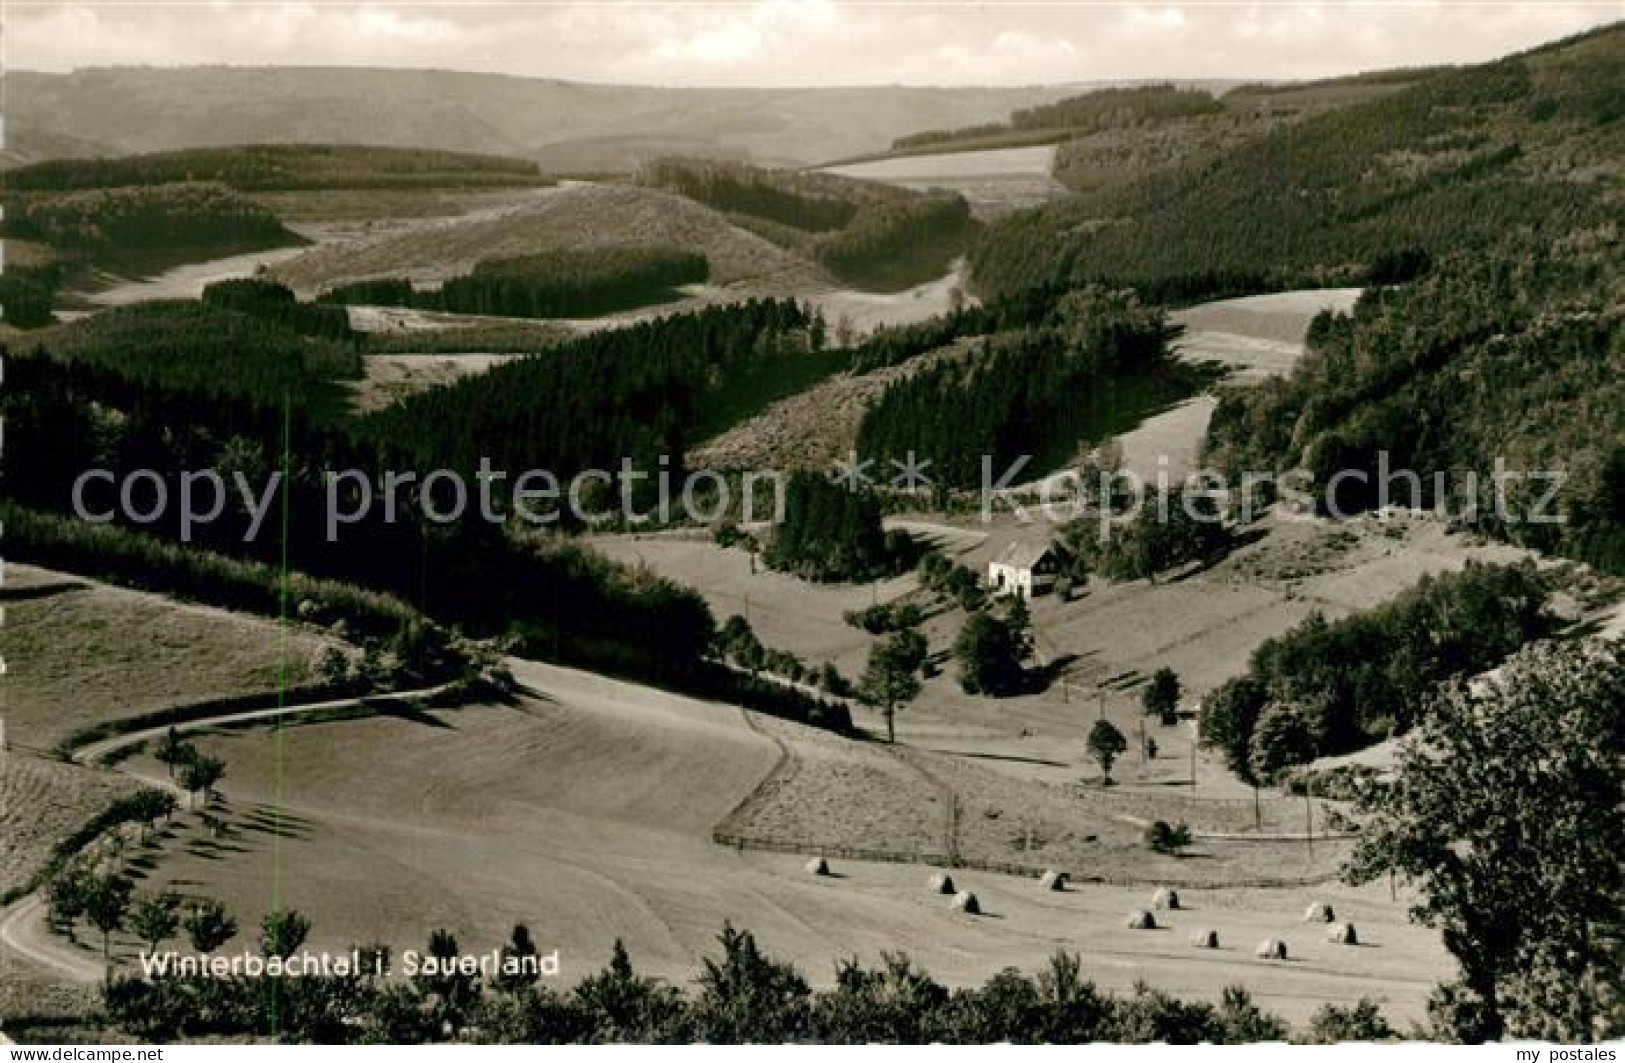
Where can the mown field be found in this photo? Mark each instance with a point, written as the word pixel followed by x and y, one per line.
pixel 43 801
pixel 584 810
pixel 80 653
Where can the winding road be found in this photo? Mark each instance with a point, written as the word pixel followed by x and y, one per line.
pixel 23 929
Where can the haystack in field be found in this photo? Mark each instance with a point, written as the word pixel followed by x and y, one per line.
pixel 1142 920
pixel 1271 949
pixel 818 866
pixel 943 883
pixel 1205 939
pixel 1319 912
pixel 1053 880
pixel 1342 934
pixel 965 901
pixel 1166 900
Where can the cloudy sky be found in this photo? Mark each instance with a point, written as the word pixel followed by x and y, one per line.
pixel 801 42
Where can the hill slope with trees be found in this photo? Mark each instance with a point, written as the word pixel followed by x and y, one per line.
pixel 1440 165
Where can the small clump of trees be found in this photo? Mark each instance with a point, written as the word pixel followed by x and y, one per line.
pixel 1330 687
pixel 193 770
pixel 1106 744
pixel 564 282
pixel 993 651
pixel 892 677
pixel 1169 839
pixel 831 533
pixel 1160 698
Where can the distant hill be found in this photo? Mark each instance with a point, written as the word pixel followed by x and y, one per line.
pixel 280 167
pixel 128 109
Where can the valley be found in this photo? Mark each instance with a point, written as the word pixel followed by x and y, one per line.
pixel 891 715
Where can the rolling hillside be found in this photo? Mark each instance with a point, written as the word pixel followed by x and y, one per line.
pixel 569 126
pixel 1441 165
pixel 1482 207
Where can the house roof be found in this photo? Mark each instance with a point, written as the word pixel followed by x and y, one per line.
pixel 1024 555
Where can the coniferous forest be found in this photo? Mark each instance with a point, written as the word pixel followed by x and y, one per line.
pixel 832 531
pixel 152 221
pixel 1512 359
pixel 1097 360
pixel 565 283
pixel 1439 166
pixel 280 167
pixel 150 396
pixel 637 393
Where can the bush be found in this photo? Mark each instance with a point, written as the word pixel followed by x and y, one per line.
pixel 1168 839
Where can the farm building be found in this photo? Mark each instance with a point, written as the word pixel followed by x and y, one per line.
pixel 1026 569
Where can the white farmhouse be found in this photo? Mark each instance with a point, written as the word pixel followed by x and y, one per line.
pixel 1025 569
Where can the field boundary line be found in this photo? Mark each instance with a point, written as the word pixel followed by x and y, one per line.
pixel 778 771
pixel 1012 868
pixel 908 756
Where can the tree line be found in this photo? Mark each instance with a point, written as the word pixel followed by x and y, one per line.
pixel 742 995
pixel 1330 687
pixel 637 393
pixel 564 283
pixel 146 220
pixel 831 532
pixel 1090 112
pixel 1033 393
pixel 810 202
pixel 272 301
pixel 1112 108
pixel 213 348
pixel 280 167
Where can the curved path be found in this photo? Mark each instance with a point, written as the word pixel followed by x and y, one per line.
pixel 22 923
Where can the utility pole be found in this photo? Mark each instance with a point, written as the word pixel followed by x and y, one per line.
pixel 1258 811
pixel 1309 818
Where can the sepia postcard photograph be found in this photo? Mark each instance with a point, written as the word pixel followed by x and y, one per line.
pixel 812 522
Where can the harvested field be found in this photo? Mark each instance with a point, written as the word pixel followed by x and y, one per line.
pixel 41 803
pixel 836 793
pixel 1003 820
pixel 585 810
pixel 376 208
pixel 812 429
pixel 1280 317
pixel 90 652
pixel 389 378
pixel 993 181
